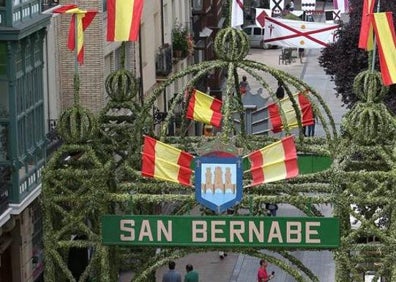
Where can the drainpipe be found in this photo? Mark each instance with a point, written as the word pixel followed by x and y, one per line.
pixel 140 68
pixel 162 44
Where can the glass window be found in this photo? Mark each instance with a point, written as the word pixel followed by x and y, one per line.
pixel 21 137
pixel 29 130
pixel 104 5
pixel 4 99
pixel 18 55
pixel 19 93
pixel 248 31
pixel 3 58
pixel 29 90
pixel 28 54
pixel 3 142
pixel 257 31
pixel 39 125
pixel 37 49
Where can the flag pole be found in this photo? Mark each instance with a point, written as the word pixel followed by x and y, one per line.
pixel 374 43
pixel 76 80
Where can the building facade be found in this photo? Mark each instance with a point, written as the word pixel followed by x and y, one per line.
pixel 22 135
pixel 36 86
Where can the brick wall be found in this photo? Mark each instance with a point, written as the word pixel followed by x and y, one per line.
pixel 92 77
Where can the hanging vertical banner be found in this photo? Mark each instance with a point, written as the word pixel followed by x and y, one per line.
pixel 332 16
pixel 123 19
pixel 366 36
pixel 308 5
pixel 277 6
pixel 386 38
pixel 237 13
pixel 342 5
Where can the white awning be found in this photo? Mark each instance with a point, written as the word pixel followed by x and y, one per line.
pixel 206 32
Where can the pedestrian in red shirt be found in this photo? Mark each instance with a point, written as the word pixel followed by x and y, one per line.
pixel 262 275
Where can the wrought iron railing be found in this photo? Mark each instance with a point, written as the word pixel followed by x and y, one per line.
pixel 53 139
pixel 47 4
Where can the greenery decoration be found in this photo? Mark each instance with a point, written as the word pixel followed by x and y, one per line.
pixel 180 39
pixel 121 86
pixel 231 44
pixel 77 125
pixel 103 175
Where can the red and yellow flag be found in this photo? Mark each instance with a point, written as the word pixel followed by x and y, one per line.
pixel 162 161
pixel 304 106
pixel 274 162
pixel 386 40
pixel 123 19
pixel 80 20
pixel 204 108
pixel 366 28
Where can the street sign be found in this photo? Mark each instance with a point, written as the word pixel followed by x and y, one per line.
pixel 221 231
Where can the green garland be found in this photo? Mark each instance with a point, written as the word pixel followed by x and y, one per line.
pixel 103 176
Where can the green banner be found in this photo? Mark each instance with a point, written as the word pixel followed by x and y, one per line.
pixel 221 231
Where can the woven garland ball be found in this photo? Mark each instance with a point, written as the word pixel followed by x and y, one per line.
pixel 231 44
pixel 368 86
pixel 370 124
pixel 77 125
pixel 121 85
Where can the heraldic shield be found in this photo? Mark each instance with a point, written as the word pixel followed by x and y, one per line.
pixel 218 182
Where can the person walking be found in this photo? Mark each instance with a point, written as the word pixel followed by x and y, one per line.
pixel 280 91
pixel 272 208
pixel 311 127
pixel 172 275
pixel 262 275
pixel 291 6
pixel 191 275
pixel 301 54
pixel 244 85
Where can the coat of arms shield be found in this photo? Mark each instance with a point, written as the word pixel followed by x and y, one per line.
pixel 218 182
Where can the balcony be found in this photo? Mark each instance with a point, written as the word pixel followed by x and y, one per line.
pixel 5 174
pixel 48 4
pixel 201 6
pixel 163 61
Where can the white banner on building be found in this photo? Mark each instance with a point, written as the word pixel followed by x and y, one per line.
pixel 237 13
pixel 342 5
pixel 261 14
pixel 299 34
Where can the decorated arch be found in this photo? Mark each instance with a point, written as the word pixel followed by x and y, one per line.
pixel 97 172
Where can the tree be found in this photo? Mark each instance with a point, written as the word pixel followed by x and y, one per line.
pixel 343 60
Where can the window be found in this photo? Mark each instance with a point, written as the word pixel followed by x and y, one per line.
pixel 104 5
pixel 3 58
pixel 3 142
pixel 248 31
pixel 257 31
pixel 3 99
pixel 28 54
